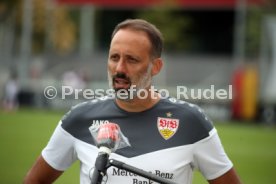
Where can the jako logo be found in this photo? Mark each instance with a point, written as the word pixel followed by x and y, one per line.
pixel 97 123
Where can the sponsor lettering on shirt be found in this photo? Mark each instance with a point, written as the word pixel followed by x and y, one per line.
pixel 136 179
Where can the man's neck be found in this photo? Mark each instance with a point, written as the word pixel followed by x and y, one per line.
pixel 137 104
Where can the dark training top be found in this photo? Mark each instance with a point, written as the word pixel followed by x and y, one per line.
pixel 171 139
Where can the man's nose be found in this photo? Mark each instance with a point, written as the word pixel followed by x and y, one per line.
pixel 121 66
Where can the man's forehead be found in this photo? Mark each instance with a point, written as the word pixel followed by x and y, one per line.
pixel 130 34
pixel 130 40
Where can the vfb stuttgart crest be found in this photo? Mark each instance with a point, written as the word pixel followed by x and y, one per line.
pixel 167 127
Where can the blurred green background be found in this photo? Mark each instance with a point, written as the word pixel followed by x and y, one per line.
pixel 24 133
pixel 220 43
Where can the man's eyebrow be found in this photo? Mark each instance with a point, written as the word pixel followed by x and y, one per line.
pixel 133 56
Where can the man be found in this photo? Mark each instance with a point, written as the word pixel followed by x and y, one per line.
pixel 168 137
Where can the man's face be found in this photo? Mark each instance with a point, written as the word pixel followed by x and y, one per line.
pixel 129 61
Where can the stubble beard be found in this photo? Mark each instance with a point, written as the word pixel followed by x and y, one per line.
pixel 142 84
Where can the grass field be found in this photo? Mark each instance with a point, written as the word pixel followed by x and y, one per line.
pixel 23 134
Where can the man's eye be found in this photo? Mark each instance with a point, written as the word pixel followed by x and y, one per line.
pixel 114 57
pixel 132 60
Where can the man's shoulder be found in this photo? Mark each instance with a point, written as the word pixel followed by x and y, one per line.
pixel 77 121
pixel 192 114
pixel 182 105
pixel 82 109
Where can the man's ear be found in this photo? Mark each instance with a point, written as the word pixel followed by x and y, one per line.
pixel 157 66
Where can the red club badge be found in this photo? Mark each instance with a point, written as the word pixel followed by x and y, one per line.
pixel 167 127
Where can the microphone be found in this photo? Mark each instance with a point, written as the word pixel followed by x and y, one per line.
pixel 107 138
